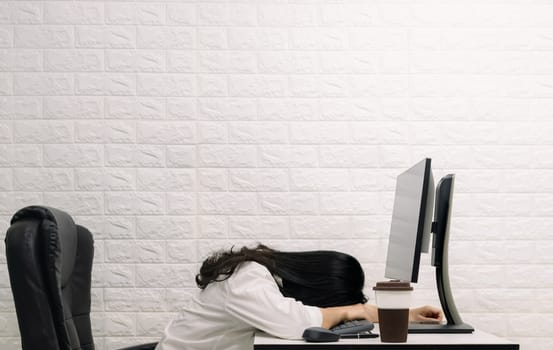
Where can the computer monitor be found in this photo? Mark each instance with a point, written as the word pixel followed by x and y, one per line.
pixel 411 222
pixel 409 236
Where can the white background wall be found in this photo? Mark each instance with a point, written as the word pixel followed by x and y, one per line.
pixel 173 128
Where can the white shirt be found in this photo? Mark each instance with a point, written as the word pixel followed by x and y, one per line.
pixel 225 315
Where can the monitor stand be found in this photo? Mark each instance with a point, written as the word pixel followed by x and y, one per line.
pixel 439 328
pixel 454 322
pixel 440 243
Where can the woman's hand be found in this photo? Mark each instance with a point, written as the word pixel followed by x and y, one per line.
pixel 425 314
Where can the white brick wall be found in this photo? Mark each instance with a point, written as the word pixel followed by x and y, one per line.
pixel 172 128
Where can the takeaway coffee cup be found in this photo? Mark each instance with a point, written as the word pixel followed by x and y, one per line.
pixel 393 299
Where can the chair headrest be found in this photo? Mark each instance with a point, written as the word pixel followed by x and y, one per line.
pixel 59 230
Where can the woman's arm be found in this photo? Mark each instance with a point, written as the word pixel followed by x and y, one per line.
pixel 334 315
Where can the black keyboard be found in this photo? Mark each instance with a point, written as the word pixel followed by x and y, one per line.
pixel 353 327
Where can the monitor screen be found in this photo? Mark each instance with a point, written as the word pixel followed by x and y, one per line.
pixel 411 222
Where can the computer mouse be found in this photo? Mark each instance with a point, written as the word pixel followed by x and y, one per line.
pixel 319 335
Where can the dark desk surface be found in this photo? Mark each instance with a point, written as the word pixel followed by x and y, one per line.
pixel 478 341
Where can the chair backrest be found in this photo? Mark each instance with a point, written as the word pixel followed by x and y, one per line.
pixel 50 263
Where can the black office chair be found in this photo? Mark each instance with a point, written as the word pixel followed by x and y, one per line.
pixel 50 263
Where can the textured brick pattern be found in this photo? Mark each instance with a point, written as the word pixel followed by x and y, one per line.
pixel 172 128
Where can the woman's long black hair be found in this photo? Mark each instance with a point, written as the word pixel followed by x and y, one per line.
pixel 319 278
